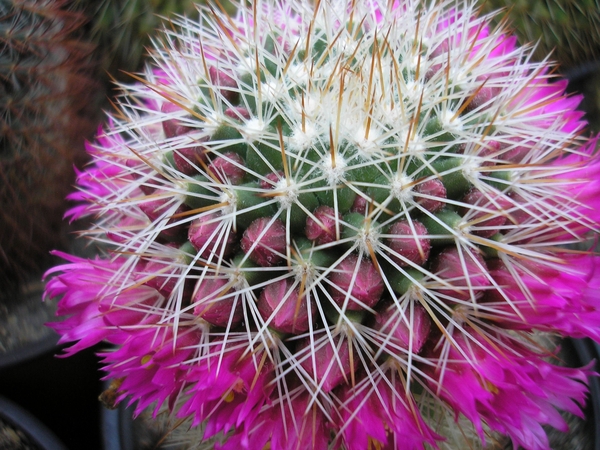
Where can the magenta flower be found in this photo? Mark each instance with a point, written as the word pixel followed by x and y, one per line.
pixel 370 411
pixel 566 296
pixel 228 387
pixel 515 396
pixel 339 225
pixel 100 180
pixel 281 426
pixel 151 373
pixel 94 303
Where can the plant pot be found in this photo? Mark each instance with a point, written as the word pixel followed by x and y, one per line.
pixel 19 430
pixel 117 427
pixel 24 314
pixel 60 393
pixel 23 335
pixel 121 431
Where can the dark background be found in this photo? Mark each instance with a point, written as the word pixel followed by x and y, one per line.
pixel 60 392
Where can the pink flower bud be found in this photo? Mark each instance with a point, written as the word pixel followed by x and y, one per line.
pixel 484 95
pixel 138 171
pixel 226 82
pixel 359 205
pixel 126 228
pixel 431 188
pixel 205 238
pixel 228 168
pixel 159 276
pixel 292 316
pixel 459 273
pixel 173 127
pixel 156 209
pixel 412 245
pixel 360 278
pixel 441 49
pixel 524 210
pixel 163 273
pixel 332 362
pixel 390 321
pixel 491 150
pixel 188 159
pixel 215 303
pixel 265 243
pixel 495 205
pixel 323 231
pixel 517 151
pixel 237 112
pixel 271 180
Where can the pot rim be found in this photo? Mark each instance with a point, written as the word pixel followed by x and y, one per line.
pixel 35 430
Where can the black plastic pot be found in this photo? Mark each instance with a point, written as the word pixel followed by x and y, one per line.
pixel 23 334
pixel 121 431
pixel 26 429
pixel 117 428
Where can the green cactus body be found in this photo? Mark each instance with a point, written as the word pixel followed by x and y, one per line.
pixel 122 29
pixel 570 29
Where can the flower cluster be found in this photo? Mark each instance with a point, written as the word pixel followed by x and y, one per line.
pixel 327 225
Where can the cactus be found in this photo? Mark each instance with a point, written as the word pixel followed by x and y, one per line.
pixel 46 104
pixel 338 225
pixel 569 29
pixel 122 29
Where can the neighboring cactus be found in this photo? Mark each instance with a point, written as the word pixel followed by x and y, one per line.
pixel 46 104
pixel 122 29
pixel 338 224
pixel 570 29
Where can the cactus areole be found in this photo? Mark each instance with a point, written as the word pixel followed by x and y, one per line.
pixel 337 226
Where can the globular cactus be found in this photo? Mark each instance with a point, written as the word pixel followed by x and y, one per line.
pixel 122 29
pixel 568 32
pixel 570 29
pixel 46 106
pixel 338 225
